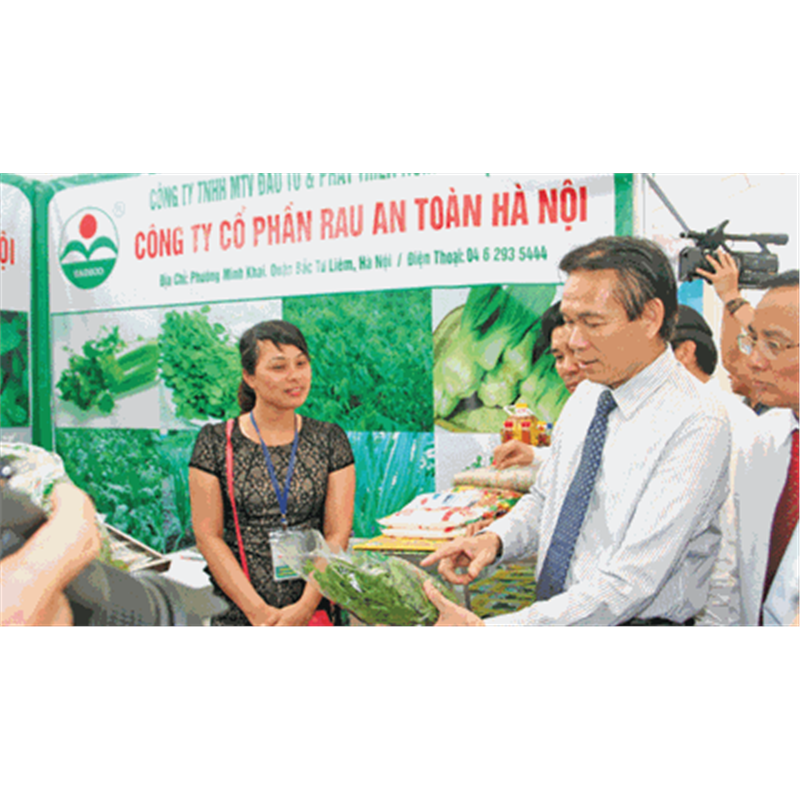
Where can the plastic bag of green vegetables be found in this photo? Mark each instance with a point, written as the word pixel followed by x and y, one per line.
pixel 376 588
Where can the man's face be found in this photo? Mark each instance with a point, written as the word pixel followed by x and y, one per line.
pixel 741 378
pixel 609 348
pixel 774 362
pixel 566 365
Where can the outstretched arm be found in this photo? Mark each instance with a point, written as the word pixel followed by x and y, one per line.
pixel 738 312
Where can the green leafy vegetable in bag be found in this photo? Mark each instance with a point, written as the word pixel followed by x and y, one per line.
pixel 376 588
pixel 379 590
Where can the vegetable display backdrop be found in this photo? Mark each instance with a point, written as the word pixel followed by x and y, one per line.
pixel 150 299
pixel 14 397
pixel 200 363
pixel 101 374
pixel 16 230
pixel 138 480
pixel 485 360
pixel 197 360
pixel 372 358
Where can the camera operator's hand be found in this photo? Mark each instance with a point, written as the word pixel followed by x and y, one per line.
pixel 739 314
pixel 724 277
pixel 34 578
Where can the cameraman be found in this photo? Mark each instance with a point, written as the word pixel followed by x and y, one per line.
pixel 33 579
pixel 738 316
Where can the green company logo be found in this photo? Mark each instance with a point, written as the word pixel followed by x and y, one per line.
pixel 89 248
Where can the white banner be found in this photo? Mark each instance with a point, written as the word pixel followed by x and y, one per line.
pixel 172 240
pixel 16 224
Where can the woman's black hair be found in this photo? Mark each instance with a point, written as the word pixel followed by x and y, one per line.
pixel 704 351
pixel 551 319
pixel 276 331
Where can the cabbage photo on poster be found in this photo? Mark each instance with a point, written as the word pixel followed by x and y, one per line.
pixel 485 359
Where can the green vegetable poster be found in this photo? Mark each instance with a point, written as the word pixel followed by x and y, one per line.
pixel 419 295
pixel 16 229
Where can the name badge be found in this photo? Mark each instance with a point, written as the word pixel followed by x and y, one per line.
pixel 281 571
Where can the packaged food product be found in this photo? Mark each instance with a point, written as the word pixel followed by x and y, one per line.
pixel 517 479
pixel 521 425
pixel 444 513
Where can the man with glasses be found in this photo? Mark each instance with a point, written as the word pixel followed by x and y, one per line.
pixel 622 518
pixel 766 488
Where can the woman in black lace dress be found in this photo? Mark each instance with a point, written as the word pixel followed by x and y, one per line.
pixel 276 379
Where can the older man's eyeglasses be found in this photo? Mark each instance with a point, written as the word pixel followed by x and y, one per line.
pixel 769 348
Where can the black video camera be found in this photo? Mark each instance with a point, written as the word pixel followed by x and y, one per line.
pixel 754 268
pixel 104 595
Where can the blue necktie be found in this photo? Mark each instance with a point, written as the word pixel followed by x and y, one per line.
pixel 573 510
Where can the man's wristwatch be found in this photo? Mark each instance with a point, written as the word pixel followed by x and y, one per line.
pixel 734 305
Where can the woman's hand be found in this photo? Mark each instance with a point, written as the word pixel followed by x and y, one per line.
pixel 295 615
pixel 264 616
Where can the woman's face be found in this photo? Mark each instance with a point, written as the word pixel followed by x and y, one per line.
pixel 282 378
pixel 566 365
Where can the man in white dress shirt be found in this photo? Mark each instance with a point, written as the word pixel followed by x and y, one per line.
pixel 767 473
pixel 693 345
pixel 636 541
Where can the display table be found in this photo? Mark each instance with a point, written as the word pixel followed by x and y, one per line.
pixel 188 567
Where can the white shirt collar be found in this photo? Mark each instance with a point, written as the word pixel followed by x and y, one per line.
pixel 782 423
pixel 636 390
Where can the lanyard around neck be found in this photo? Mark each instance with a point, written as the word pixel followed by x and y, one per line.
pixel 283 497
